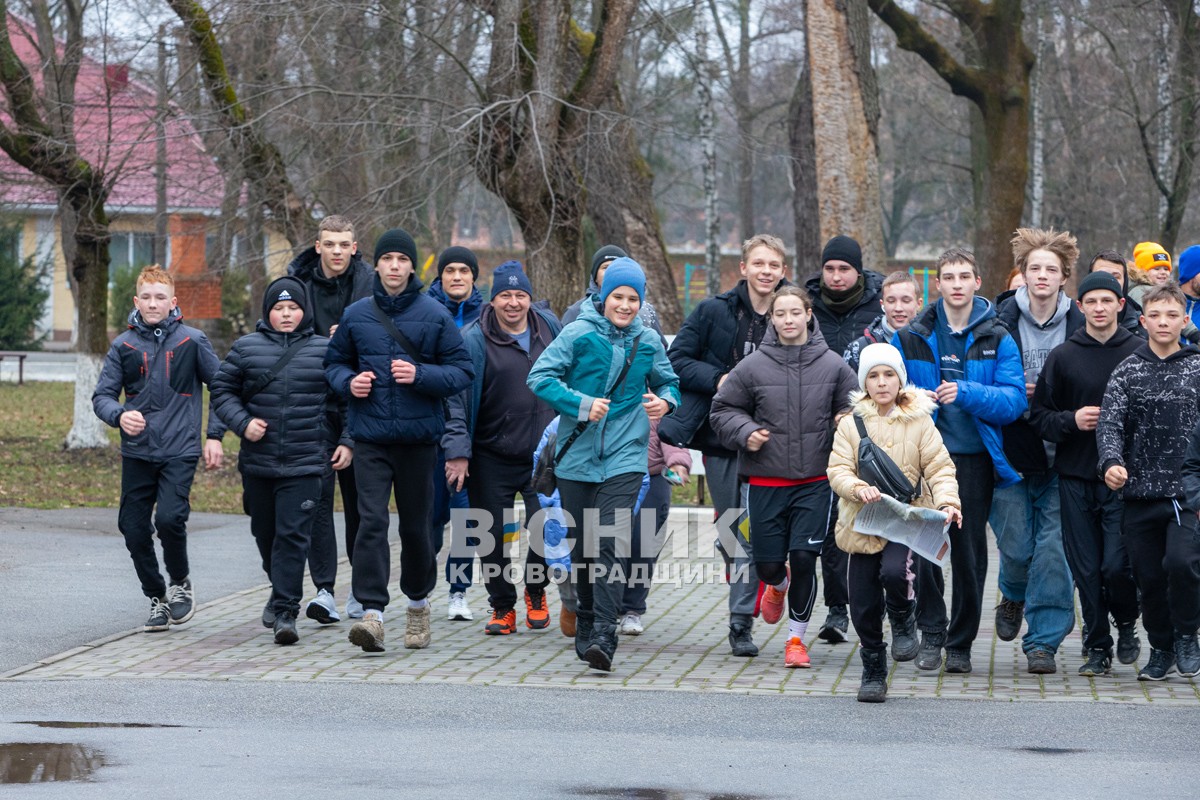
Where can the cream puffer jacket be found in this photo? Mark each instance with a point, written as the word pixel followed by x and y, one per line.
pixel 907 435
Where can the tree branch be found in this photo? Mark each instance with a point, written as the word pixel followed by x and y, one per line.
pixel 912 36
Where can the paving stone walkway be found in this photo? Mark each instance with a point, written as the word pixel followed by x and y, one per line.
pixel 684 648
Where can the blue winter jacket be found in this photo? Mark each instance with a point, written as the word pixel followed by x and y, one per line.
pixel 581 365
pixel 396 413
pixel 994 389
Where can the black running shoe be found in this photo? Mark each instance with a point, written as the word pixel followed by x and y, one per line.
pixel 837 622
pixel 1160 665
pixel 1008 618
pixel 1099 662
pixel 1187 655
pixel 1129 646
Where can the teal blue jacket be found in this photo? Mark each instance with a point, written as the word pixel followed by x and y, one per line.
pixel 581 365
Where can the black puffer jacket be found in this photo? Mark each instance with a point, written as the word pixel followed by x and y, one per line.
pixel 840 330
pixel 705 349
pixel 329 297
pixel 297 405
pixel 795 393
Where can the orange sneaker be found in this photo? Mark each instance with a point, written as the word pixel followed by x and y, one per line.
pixel 501 624
pixel 537 616
pixel 795 654
pixel 772 605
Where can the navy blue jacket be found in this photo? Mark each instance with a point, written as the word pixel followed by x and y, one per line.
pixel 396 413
pixel 162 369
pixel 993 391
pixel 463 313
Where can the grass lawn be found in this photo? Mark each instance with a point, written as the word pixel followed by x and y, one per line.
pixel 36 472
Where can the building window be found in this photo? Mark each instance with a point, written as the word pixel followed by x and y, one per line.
pixel 130 251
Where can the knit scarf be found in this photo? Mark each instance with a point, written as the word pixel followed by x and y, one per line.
pixel 845 300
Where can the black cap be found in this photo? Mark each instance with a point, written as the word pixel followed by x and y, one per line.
pixel 285 288
pixel 843 248
pixel 605 254
pixel 1099 280
pixel 458 255
pixel 397 240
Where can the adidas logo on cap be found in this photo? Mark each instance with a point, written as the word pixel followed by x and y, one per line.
pixel 283 296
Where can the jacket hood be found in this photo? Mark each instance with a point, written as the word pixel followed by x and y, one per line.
pixel 590 314
pixel 135 321
pixel 1081 338
pixel 911 403
pixel 806 353
pixel 474 299
pixel 307 266
pixel 1146 354
pixel 490 327
pixel 981 311
pixel 1063 307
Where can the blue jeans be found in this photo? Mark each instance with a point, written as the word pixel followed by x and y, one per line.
pixel 1033 566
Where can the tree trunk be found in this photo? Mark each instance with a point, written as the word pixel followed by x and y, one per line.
pixel 804 178
pixel 844 95
pixel 707 122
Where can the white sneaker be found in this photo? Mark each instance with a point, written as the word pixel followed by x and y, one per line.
pixel 323 608
pixel 631 625
pixel 458 608
pixel 354 609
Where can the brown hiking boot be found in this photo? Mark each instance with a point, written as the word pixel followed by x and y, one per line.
pixel 416 633
pixel 367 633
pixel 566 621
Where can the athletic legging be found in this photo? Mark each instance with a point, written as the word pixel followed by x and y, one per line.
pixel 802 591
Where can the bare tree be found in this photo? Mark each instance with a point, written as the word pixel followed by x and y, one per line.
pixel 998 88
pixel 40 136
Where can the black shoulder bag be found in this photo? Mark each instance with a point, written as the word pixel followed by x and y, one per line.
pixel 877 468
pixel 262 381
pixel 545 482
pixel 404 343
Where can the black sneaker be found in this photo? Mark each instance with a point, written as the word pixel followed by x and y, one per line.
pixel 1099 662
pixel 268 616
pixel 1160 665
pixel 1040 662
pixel 837 622
pixel 285 628
pixel 958 661
pixel 179 601
pixel 1129 646
pixel 1187 655
pixel 1008 618
pixel 599 655
pixel 905 644
pixel 930 656
pixel 741 643
pixel 160 617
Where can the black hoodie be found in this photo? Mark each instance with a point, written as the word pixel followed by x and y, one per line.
pixel 1150 406
pixel 1075 375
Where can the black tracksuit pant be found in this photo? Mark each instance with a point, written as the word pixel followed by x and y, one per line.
pixel 656 509
pixel 407 470
pixel 599 563
pixel 1091 526
pixel 1164 550
pixel 833 566
pixel 282 512
pixel 879 583
pixel 492 484
pixel 323 551
pixel 968 559
pixel 160 490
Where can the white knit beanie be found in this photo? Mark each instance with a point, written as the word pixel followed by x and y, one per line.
pixel 879 354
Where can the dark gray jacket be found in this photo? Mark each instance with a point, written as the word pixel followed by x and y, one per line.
pixel 793 392
pixel 162 369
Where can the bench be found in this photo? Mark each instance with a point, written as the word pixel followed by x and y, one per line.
pixel 20 357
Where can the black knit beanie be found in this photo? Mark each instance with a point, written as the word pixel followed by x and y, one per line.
pixel 285 288
pixel 396 240
pixel 604 255
pixel 1100 280
pixel 458 255
pixel 843 248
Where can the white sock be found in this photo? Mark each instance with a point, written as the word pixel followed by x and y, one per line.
pixel 422 603
pixel 796 630
pixel 782 587
pixel 373 612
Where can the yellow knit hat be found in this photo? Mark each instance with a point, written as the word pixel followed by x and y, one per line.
pixel 1149 255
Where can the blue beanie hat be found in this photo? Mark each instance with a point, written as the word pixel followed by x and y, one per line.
pixel 1189 264
pixel 624 272
pixel 397 240
pixel 510 276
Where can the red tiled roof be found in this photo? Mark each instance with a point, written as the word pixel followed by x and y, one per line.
pixel 115 130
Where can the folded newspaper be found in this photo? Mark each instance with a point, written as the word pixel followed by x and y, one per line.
pixel 922 530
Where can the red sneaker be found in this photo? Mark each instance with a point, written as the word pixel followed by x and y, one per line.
pixel 795 654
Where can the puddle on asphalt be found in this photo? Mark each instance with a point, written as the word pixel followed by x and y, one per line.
pixel 61 724
pixel 648 793
pixel 42 762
